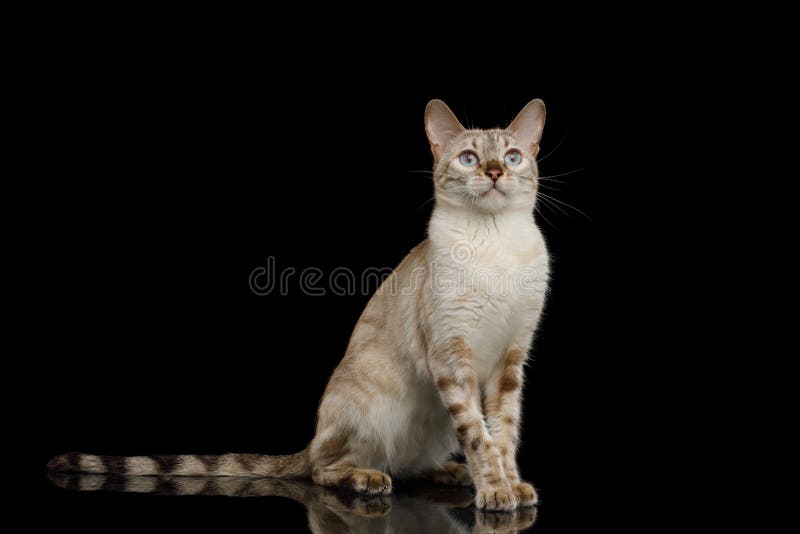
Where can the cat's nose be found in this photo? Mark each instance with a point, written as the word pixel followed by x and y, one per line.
pixel 494 172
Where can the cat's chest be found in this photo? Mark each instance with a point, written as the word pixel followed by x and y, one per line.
pixel 497 275
pixel 506 284
pixel 492 291
pixel 499 269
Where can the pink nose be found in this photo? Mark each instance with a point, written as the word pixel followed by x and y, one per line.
pixel 494 174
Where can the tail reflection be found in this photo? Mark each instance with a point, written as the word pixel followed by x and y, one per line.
pixel 421 509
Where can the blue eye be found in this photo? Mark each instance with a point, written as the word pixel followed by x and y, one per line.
pixel 468 158
pixel 513 158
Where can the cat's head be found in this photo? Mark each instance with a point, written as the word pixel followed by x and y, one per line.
pixel 485 170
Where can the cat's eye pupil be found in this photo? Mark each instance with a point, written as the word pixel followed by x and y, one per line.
pixel 468 158
pixel 513 158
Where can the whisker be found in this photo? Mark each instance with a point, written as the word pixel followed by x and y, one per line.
pixel 562 174
pixel 552 180
pixel 423 204
pixel 536 208
pixel 556 148
pixel 551 188
pixel 462 190
pixel 431 173
pixel 554 207
pixel 547 201
pixel 565 204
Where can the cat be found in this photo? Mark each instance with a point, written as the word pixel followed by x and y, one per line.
pixel 435 363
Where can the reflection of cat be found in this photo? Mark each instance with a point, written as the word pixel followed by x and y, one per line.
pixel 434 510
pixel 435 363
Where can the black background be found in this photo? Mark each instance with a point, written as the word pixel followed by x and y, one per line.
pixel 170 181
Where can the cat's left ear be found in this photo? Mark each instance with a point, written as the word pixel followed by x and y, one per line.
pixel 528 125
pixel 441 125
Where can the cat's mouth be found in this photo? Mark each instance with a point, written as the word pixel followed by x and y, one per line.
pixel 493 190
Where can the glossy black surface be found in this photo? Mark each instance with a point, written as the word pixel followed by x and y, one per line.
pixel 418 509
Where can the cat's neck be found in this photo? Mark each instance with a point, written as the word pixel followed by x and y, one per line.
pixel 452 223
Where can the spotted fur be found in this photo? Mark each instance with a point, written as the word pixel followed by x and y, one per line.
pixel 429 371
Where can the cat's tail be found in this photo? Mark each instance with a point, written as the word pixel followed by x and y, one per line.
pixel 254 465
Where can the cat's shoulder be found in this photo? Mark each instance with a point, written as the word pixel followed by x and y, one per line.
pixel 418 256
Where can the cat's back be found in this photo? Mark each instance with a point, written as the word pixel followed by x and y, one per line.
pixel 391 317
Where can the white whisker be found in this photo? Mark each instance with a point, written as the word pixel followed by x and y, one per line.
pixel 536 208
pixel 556 148
pixel 564 204
pixel 562 174
pixel 554 207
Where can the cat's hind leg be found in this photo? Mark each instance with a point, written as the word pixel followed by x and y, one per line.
pixel 357 419
pixel 344 475
pixel 450 474
pixel 342 457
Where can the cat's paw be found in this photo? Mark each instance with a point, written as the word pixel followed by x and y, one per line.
pixel 525 517
pixel 504 522
pixel 371 482
pixel 498 497
pixel 377 506
pixel 525 493
pixel 349 503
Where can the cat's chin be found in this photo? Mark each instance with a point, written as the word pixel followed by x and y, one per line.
pixel 493 200
pixel 493 193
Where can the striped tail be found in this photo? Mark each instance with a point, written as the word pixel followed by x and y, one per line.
pixel 300 490
pixel 235 465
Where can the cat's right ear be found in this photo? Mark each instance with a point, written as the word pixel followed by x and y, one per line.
pixel 441 125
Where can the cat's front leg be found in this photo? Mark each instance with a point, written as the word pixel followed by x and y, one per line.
pixel 451 365
pixel 503 414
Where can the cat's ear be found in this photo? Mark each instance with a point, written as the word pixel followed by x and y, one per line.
pixel 528 125
pixel 441 126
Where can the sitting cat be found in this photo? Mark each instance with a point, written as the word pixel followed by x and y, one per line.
pixel 435 363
